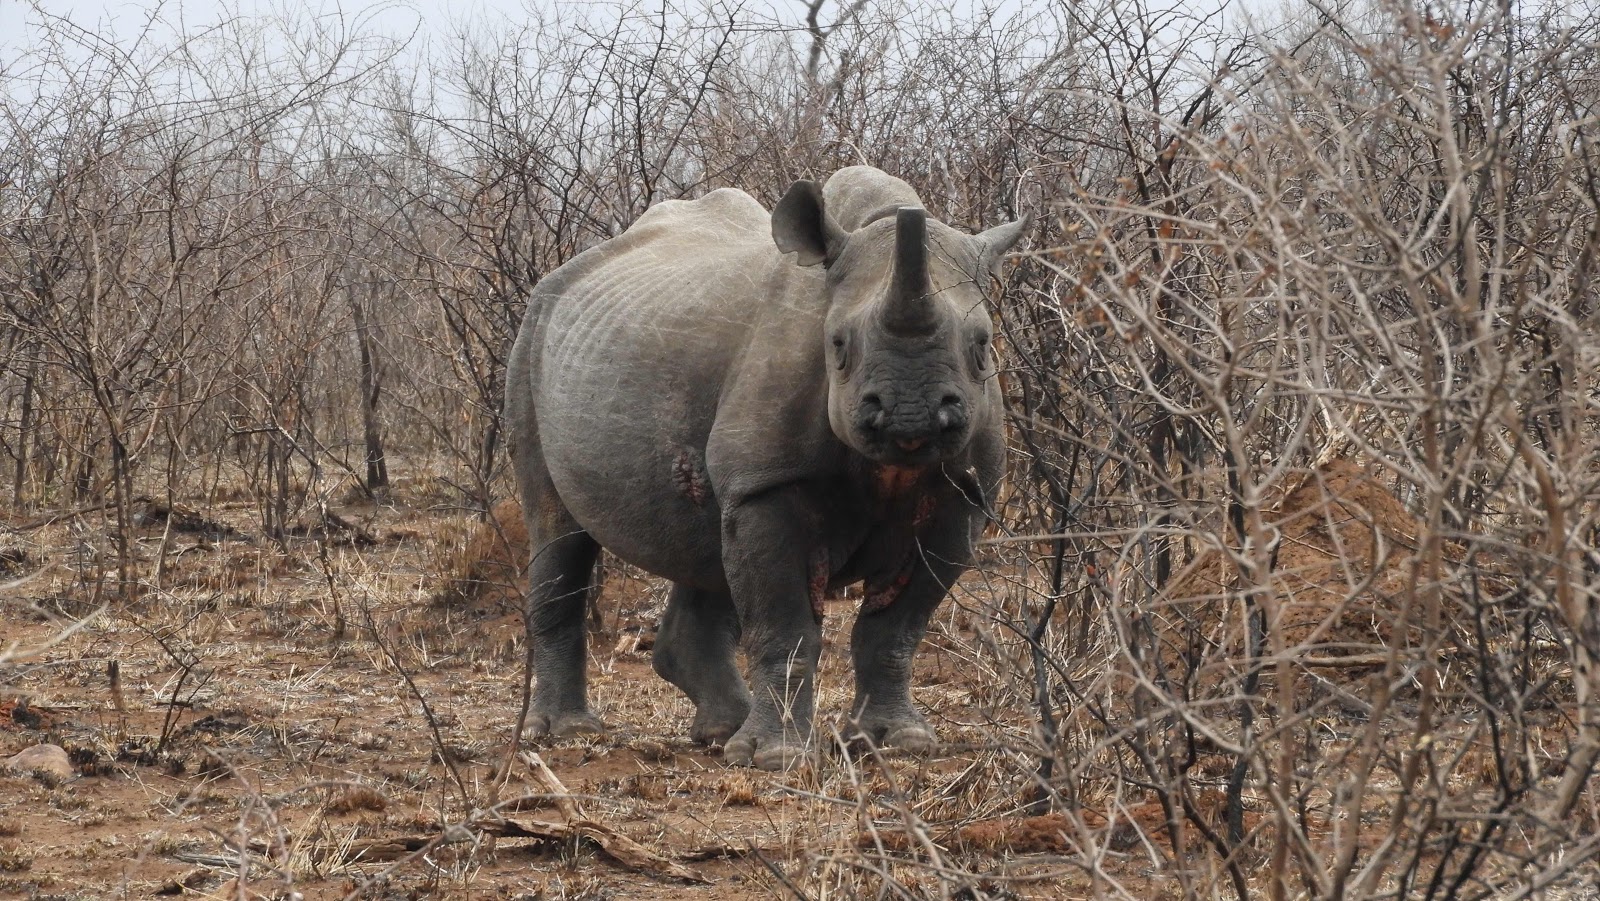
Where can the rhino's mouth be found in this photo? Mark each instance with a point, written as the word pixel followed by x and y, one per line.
pixel 920 451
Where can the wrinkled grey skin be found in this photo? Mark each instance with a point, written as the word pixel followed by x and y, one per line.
pixel 760 408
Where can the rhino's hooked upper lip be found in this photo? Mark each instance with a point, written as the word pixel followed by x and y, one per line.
pixel 910 450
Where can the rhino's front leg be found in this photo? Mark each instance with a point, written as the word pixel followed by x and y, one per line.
pixel 883 643
pixel 765 552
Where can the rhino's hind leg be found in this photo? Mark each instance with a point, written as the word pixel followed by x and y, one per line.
pixel 695 650
pixel 559 580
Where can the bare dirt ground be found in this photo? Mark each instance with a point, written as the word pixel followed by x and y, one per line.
pixel 324 717
pixel 317 719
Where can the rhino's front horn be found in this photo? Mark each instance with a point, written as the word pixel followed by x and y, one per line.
pixel 906 310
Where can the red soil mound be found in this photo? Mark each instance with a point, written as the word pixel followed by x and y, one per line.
pixel 1342 578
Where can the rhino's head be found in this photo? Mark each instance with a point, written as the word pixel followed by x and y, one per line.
pixel 908 333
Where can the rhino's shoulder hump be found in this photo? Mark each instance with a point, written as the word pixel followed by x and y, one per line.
pixel 728 208
pixel 856 195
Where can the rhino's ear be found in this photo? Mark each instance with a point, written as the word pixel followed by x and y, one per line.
pixel 996 241
pixel 801 225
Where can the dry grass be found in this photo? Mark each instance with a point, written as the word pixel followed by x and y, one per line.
pixel 306 748
pixel 267 716
pixel 273 731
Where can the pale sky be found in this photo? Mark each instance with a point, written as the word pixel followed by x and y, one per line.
pixel 123 20
pixel 397 18
pixel 423 26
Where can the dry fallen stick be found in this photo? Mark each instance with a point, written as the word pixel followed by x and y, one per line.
pixel 614 844
pixel 385 849
pixel 578 826
pixel 565 802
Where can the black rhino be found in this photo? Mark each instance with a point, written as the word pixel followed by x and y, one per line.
pixel 760 408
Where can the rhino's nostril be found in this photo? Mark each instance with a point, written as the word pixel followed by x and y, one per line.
pixel 873 416
pixel 951 417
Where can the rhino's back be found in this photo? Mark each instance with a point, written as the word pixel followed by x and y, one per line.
pixel 675 243
pixel 635 318
pixel 639 337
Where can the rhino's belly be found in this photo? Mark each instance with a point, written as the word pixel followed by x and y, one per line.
pixel 626 454
pixel 653 510
pixel 630 376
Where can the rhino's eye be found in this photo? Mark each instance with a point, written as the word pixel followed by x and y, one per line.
pixel 980 353
pixel 838 352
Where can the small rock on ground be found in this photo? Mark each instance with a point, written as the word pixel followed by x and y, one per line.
pixel 50 759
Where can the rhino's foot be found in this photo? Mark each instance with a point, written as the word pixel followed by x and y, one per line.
pixel 780 758
pixel 905 731
pixel 566 724
pixel 916 738
pixel 714 726
pixel 775 754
